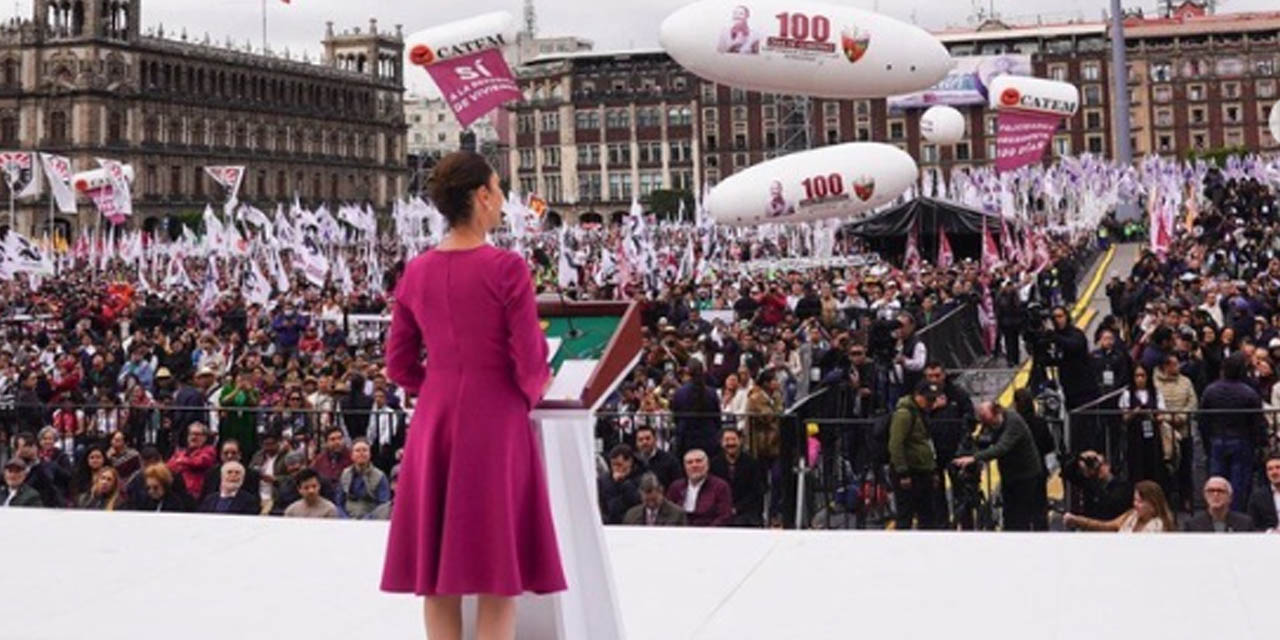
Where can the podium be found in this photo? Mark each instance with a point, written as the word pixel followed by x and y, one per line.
pixel 594 345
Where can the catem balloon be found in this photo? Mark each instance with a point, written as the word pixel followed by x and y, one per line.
pixel 1025 93
pixel 802 47
pixel 829 182
pixel 493 30
pixel 941 124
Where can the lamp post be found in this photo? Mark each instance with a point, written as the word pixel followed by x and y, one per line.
pixel 1125 210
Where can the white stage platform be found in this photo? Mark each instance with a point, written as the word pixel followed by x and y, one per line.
pixel 123 576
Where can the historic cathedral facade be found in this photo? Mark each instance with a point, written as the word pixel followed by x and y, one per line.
pixel 80 79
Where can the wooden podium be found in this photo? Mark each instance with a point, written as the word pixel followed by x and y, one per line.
pixel 595 345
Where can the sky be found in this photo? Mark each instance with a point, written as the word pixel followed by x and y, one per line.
pixel 611 24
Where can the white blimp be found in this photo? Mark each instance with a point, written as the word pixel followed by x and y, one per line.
pixel 494 30
pixel 830 182
pixel 1037 95
pixel 87 181
pixel 941 124
pixel 801 47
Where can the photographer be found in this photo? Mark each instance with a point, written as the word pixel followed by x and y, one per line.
pixel 1105 496
pixel 1021 483
pixel 912 458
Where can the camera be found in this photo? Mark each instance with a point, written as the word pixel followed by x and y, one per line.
pixel 882 343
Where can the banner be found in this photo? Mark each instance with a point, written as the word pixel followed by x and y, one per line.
pixel 946 257
pixel 473 85
pixel 23 256
pixel 1022 137
pixel 122 198
pixel 967 84
pixel 230 178
pixel 20 173
pixel 58 170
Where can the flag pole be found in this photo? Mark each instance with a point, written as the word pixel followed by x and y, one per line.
pixel 264 27
pixel 53 234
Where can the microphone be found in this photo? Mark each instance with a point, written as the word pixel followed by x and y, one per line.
pixel 573 333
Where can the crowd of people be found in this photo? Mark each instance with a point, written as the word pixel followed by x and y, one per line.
pixel 115 394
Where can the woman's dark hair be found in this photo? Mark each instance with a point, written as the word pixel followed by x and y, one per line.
pixel 454 179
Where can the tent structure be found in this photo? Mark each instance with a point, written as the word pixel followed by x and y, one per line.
pixel 886 232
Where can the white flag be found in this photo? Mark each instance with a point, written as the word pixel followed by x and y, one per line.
pixel 312 263
pixel 121 197
pixel 230 178
pixel 20 173
pixel 58 170
pixel 23 256
pixel 257 290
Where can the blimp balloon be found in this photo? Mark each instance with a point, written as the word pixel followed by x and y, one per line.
pixel 1034 95
pixel 941 124
pixel 803 47
pixel 829 182
pixel 87 181
pixel 494 30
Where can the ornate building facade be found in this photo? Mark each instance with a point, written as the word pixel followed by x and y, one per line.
pixel 81 80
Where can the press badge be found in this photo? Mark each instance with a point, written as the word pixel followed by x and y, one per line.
pixel 1109 378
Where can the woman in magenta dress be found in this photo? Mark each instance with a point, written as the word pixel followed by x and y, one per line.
pixel 471 513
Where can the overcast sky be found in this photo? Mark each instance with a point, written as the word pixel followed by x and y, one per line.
pixel 612 24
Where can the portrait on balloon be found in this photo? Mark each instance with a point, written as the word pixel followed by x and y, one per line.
pixel 777 206
pixel 739 37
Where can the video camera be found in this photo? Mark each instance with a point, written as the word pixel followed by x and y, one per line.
pixel 882 341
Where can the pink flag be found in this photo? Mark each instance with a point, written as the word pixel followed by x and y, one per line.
pixel 1022 137
pixel 911 262
pixel 1012 254
pixel 945 257
pixel 475 84
pixel 990 252
pixel 987 318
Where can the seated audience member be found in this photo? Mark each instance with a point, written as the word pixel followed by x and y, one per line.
pixel 311 504
pixel 362 486
pixel 105 494
pixel 192 463
pixel 158 492
pixel 617 489
pixel 1218 517
pixel 335 457
pixel 654 510
pixel 706 499
pixel 231 496
pixel 1265 505
pixel 229 451
pixel 16 491
pixel 654 458
pixel 1150 514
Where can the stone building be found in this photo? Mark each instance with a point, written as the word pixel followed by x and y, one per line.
pixel 81 79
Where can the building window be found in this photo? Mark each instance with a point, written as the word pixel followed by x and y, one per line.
pixel 740 161
pixel 12 73
pixel 680 116
pixel 862 133
pixel 528 185
pixel 737 95
pixel 1199 140
pixel 620 154
pixel 1093 94
pixel 175 131
pixel 1093 119
pixel 1197 115
pixel 9 130
pixel 1265 89
pixel 527 159
pixel 175 180
pixel 551 191
pixel 1161 72
pixel 1062 146
pixel 1163 93
pixel 648 117
pixel 990 125
pixel 617 119
pixel 551 121
pixel 961 151
pixel 58 127
pixel 588 187
pixel 551 156
pixel 588 155
pixel 1233 138
pixel 282 186
pixel 929 153
pixel 1267 140
pixel 1231 90
pixel 710 115
pixel 1058 72
pixel 650 153
pixel 709 92
pixel 620 186
pixel 1093 144
pixel 740 141
pixel 650 181
pixel 524 123
pixel 1264 65
pixel 709 141
pixel 1164 143
pixel 711 161
pixel 1164 117
pixel 1090 71
pixel 587 119
pixel 1195 92
pixel 897 130
pixel 681 150
pixel 1232 114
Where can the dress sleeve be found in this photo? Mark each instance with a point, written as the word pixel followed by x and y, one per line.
pixel 404 344
pixel 528 345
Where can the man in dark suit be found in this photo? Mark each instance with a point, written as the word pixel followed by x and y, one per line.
pixel 229 452
pixel 654 510
pixel 617 489
pixel 1264 505
pixel 706 499
pixel 15 492
pixel 231 498
pixel 1218 517
pixel 745 478
pixel 654 458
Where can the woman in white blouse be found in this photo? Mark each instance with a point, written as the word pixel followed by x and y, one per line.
pixel 1150 514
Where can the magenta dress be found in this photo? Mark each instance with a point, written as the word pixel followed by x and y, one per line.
pixel 471 511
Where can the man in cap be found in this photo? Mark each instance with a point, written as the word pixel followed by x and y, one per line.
pixel 15 492
pixel 912 458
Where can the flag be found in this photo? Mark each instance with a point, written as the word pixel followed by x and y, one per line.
pixel 566 271
pixel 230 178
pixel 311 261
pixel 210 294
pixel 23 256
pixel 990 252
pixel 987 318
pixel 945 257
pixel 58 171
pixel 257 289
pixel 20 173
pixel 911 262
pixel 473 84
pixel 1012 254
pixel 121 197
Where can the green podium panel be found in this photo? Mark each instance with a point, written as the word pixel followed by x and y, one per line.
pixel 594 333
